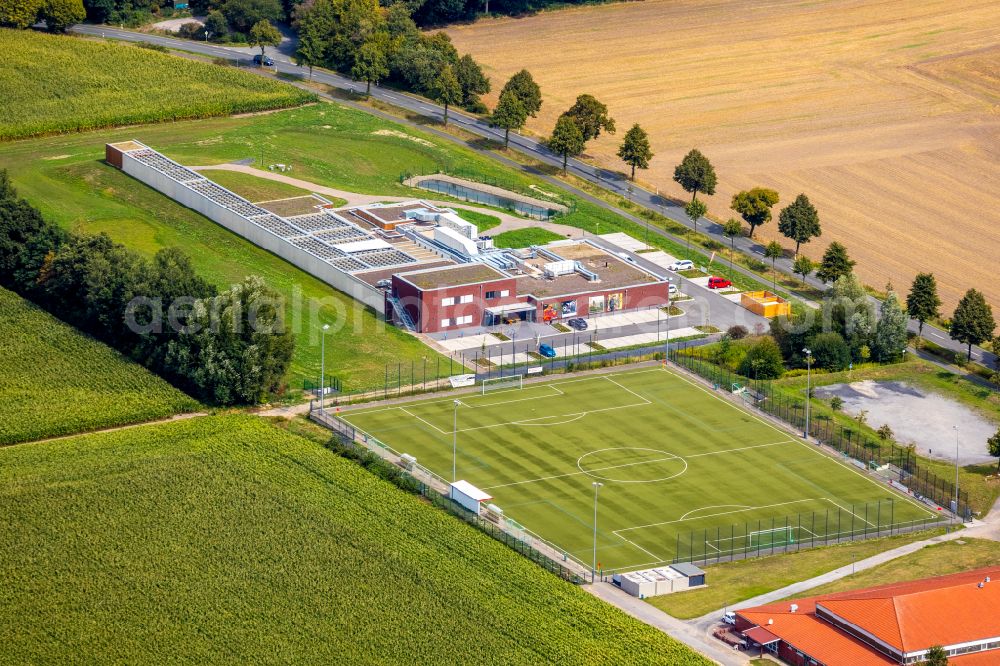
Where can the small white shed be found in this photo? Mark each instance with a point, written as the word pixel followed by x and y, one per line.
pixel 469 496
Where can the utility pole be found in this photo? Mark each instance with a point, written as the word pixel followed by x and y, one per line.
pixel 454 445
pixel 809 357
pixel 322 367
pixel 593 572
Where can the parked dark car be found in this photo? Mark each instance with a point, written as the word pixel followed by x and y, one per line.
pixel 266 61
pixel 577 323
pixel 547 351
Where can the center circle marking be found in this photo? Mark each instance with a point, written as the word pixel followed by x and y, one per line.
pixel 667 456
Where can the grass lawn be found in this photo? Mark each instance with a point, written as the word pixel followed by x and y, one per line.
pixel 687 475
pixel 525 237
pixel 483 221
pixel 732 582
pixel 252 187
pixel 936 560
pixel 57 381
pixel 223 539
pixel 68 84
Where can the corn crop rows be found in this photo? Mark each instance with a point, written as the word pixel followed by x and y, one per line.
pixel 57 381
pixel 227 539
pixel 68 84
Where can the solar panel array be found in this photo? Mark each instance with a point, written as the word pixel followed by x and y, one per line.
pixel 315 233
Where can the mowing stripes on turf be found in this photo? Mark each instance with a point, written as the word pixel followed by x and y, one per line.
pixel 682 468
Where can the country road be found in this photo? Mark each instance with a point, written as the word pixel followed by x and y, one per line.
pixel 611 181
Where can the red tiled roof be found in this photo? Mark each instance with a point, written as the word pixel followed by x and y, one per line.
pixel 761 635
pixel 910 616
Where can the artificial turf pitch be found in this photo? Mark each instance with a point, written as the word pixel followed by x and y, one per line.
pixel 686 473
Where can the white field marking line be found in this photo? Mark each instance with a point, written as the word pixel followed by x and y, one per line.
pixel 576 417
pixel 599 469
pixel 423 421
pixel 742 448
pixel 709 544
pixel 808 446
pixel 524 422
pixel 653 555
pixel 641 397
pixel 848 511
pixel 722 513
pixel 715 506
pixel 509 402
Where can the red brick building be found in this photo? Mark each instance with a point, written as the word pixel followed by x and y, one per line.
pixel 889 624
pixel 580 280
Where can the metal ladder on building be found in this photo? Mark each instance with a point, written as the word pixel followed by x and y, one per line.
pixel 400 313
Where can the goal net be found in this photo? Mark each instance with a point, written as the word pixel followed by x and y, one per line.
pixel 501 383
pixel 779 536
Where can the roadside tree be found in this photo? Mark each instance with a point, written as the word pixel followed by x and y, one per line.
pixel 61 14
pixel 799 221
pixel 216 26
pixel 774 251
pixel 754 206
pixel 591 117
pixel 242 15
pixel 263 34
pixel 523 85
pixel 731 229
pixel 635 150
pixel 566 139
pixel 923 302
pixel 993 446
pixel 890 331
pixel 473 82
pixel 835 263
pixel 803 266
pixel 311 50
pixel 446 90
pixel 695 174
pixel 509 114
pixel 371 64
pixel 695 210
pixel 972 323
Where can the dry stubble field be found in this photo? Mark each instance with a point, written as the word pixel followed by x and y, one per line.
pixel 885 114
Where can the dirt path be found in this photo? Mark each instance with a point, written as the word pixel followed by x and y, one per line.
pixel 175 417
pixel 507 222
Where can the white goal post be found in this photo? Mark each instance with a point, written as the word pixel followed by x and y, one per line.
pixel 500 383
pixel 779 536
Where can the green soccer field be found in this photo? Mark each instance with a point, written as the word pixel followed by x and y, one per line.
pixel 686 474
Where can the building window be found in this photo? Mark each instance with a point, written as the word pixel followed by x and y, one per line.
pixel 445 323
pixel 465 299
pixel 447 301
pixel 492 294
pixel 504 293
pixel 467 319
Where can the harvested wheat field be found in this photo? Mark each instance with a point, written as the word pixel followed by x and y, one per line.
pixel 884 113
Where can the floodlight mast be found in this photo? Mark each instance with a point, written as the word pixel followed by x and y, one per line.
pixel 809 357
pixel 454 444
pixel 322 367
pixel 593 572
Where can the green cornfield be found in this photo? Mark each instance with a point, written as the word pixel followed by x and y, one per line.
pixel 56 381
pixel 224 539
pixel 56 83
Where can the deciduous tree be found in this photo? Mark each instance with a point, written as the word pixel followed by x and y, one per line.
pixel 263 34
pixel 799 221
pixel 830 351
pixel 566 139
pixel 762 360
pixel 509 114
pixel 754 206
pixel 19 13
pixel 242 15
pixel 446 90
pixel 61 14
pixel 803 266
pixel 922 302
pixel 695 210
pixel 371 64
pixel 311 49
pixel 591 117
pixel 731 229
pixel 696 174
pixel 835 263
pixel 216 26
pixel 635 150
pixel 993 446
pixel 523 85
pixel 936 656
pixel 972 323
pixel 774 251
pixel 474 83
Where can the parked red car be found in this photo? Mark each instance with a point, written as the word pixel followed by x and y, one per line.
pixel 718 283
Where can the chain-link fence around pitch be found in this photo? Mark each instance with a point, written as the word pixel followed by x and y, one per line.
pixel 867 453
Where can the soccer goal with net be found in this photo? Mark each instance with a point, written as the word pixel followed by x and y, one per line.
pixel 779 536
pixel 501 383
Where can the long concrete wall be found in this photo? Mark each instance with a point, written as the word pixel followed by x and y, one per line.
pixel 345 282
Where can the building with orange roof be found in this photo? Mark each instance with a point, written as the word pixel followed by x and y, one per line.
pixel 889 624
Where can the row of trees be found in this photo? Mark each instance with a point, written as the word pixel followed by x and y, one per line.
pixel 224 348
pixel 57 14
pixel 971 324
pixel 373 44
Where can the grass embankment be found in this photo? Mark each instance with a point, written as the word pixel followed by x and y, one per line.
pixel 253 188
pixel 938 559
pixel 69 84
pixel 525 237
pixel 225 539
pixel 57 381
pixel 730 583
pixel 483 221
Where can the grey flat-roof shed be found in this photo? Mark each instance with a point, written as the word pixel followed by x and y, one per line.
pixel 694 575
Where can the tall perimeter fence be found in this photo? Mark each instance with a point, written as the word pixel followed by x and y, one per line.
pixel 897 465
pixel 430 485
